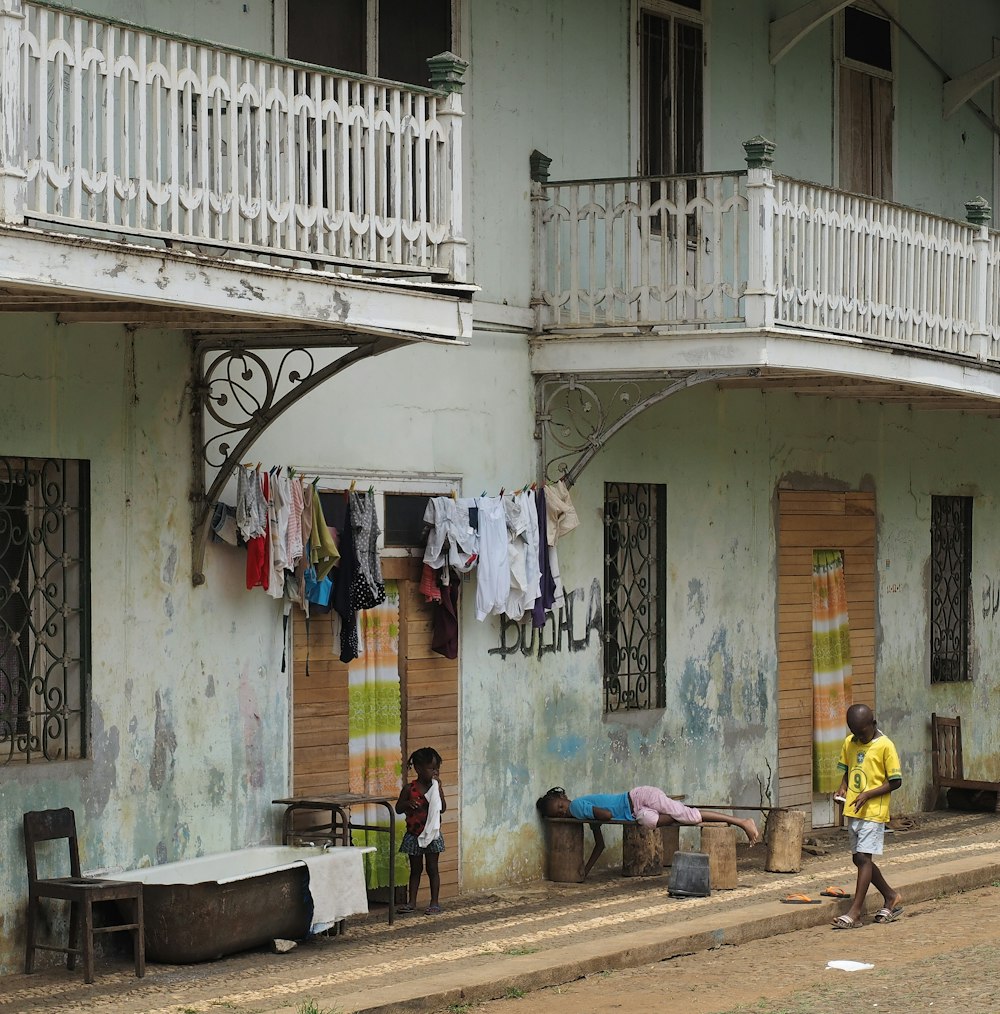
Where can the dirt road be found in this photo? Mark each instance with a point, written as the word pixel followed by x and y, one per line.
pixel 941 955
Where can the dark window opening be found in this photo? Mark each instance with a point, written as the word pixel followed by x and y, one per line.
pixel 408 35
pixel 404 519
pixel 44 608
pixel 867 38
pixel 330 33
pixel 635 526
pixel 951 587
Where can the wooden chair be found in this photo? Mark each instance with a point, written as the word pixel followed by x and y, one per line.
pixel 947 768
pixel 81 892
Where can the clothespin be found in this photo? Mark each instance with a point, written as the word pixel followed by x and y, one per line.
pixel 501 492
pixel 354 483
pixel 454 495
pixel 534 486
pixel 481 495
pixel 371 490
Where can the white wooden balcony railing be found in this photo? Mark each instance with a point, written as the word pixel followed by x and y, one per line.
pixel 108 126
pixel 749 249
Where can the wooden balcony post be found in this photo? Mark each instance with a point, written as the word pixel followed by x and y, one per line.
pixel 760 292
pixel 12 172
pixel 539 164
pixel 978 214
pixel 446 72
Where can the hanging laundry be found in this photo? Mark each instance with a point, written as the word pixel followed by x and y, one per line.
pixel 341 600
pixel 547 589
pixel 277 519
pixel 323 545
pixel 453 539
pixel 258 546
pixel 444 634
pixel 493 577
pixel 522 542
pixel 367 589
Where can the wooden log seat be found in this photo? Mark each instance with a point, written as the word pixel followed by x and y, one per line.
pixel 718 842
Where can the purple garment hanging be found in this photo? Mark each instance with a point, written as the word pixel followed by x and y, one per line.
pixel 547 585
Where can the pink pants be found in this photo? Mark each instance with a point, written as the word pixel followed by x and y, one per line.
pixel 649 802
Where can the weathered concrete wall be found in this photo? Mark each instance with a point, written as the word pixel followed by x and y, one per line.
pixel 189 709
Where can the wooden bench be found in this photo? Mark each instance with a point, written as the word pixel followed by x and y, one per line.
pixel 645 850
pixel 949 773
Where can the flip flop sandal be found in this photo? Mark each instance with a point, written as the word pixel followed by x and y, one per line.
pixel 845 922
pixel 404 909
pixel 835 892
pixel 799 899
pixel 884 915
pixel 433 910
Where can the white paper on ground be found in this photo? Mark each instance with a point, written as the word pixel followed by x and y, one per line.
pixel 849 966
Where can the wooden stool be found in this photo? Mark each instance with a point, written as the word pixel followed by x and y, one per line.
pixel 718 842
pixel 565 852
pixel 670 835
pixel 642 851
pixel 784 841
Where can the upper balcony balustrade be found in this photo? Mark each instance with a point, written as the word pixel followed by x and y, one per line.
pixel 115 131
pixel 721 253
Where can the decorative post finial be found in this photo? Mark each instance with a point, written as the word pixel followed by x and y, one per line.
pixel 539 166
pixel 978 211
pixel 446 71
pixel 759 152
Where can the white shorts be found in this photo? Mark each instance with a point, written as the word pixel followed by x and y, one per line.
pixel 866 836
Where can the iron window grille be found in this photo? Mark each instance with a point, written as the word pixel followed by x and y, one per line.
pixel 951 587
pixel 634 581
pixel 44 608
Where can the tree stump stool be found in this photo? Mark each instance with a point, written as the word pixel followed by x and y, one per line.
pixel 565 853
pixel 670 835
pixel 642 851
pixel 784 841
pixel 718 842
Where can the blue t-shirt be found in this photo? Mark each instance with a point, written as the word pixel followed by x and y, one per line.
pixel 616 802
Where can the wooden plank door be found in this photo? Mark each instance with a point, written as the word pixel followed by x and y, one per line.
pixel 429 706
pixel 808 521
pixel 430 715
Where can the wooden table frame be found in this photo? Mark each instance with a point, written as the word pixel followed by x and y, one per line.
pixel 338 829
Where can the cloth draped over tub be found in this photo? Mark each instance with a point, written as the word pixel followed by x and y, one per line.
pixel 831 647
pixel 374 724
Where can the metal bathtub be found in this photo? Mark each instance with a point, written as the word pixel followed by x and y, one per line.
pixel 205 908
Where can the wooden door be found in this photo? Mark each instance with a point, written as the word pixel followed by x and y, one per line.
pixel 809 521
pixel 429 706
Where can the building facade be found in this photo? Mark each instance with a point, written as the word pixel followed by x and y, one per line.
pixel 727 268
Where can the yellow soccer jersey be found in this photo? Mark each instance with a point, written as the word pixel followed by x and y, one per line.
pixel 869 765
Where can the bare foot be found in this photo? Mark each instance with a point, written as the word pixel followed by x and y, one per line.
pixel 750 830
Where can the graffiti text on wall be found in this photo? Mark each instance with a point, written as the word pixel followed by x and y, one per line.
pixel 566 630
pixel 991 598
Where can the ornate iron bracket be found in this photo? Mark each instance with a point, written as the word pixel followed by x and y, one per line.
pixel 575 416
pixel 239 389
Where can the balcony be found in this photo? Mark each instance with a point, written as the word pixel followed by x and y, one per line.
pixel 643 287
pixel 751 249
pixel 306 198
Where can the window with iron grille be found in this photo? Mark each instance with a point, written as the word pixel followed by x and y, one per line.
pixel 951 587
pixel 635 529
pixel 44 608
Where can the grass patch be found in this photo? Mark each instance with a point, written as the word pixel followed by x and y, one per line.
pixel 311 1007
pixel 513 993
pixel 521 950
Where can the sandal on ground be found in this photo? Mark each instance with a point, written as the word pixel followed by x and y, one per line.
pixel 433 910
pixel 843 922
pixel 884 915
pixel 835 892
pixel 405 909
pixel 799 899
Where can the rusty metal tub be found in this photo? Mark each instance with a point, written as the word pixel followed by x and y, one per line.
pixel 205 908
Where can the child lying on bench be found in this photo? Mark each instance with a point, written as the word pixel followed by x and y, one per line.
pixel 645 805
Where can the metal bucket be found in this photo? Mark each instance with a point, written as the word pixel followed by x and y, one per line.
pixel 689 876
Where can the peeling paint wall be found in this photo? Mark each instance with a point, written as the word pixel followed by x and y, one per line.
pixel 189 725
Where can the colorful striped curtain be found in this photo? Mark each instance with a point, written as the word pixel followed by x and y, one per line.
pixel 831 666
pixel 375 752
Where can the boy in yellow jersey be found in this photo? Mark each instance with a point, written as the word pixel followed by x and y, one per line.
pixel 871 771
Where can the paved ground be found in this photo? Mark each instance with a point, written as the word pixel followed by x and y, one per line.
pixel 942 955
pixel 527 938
